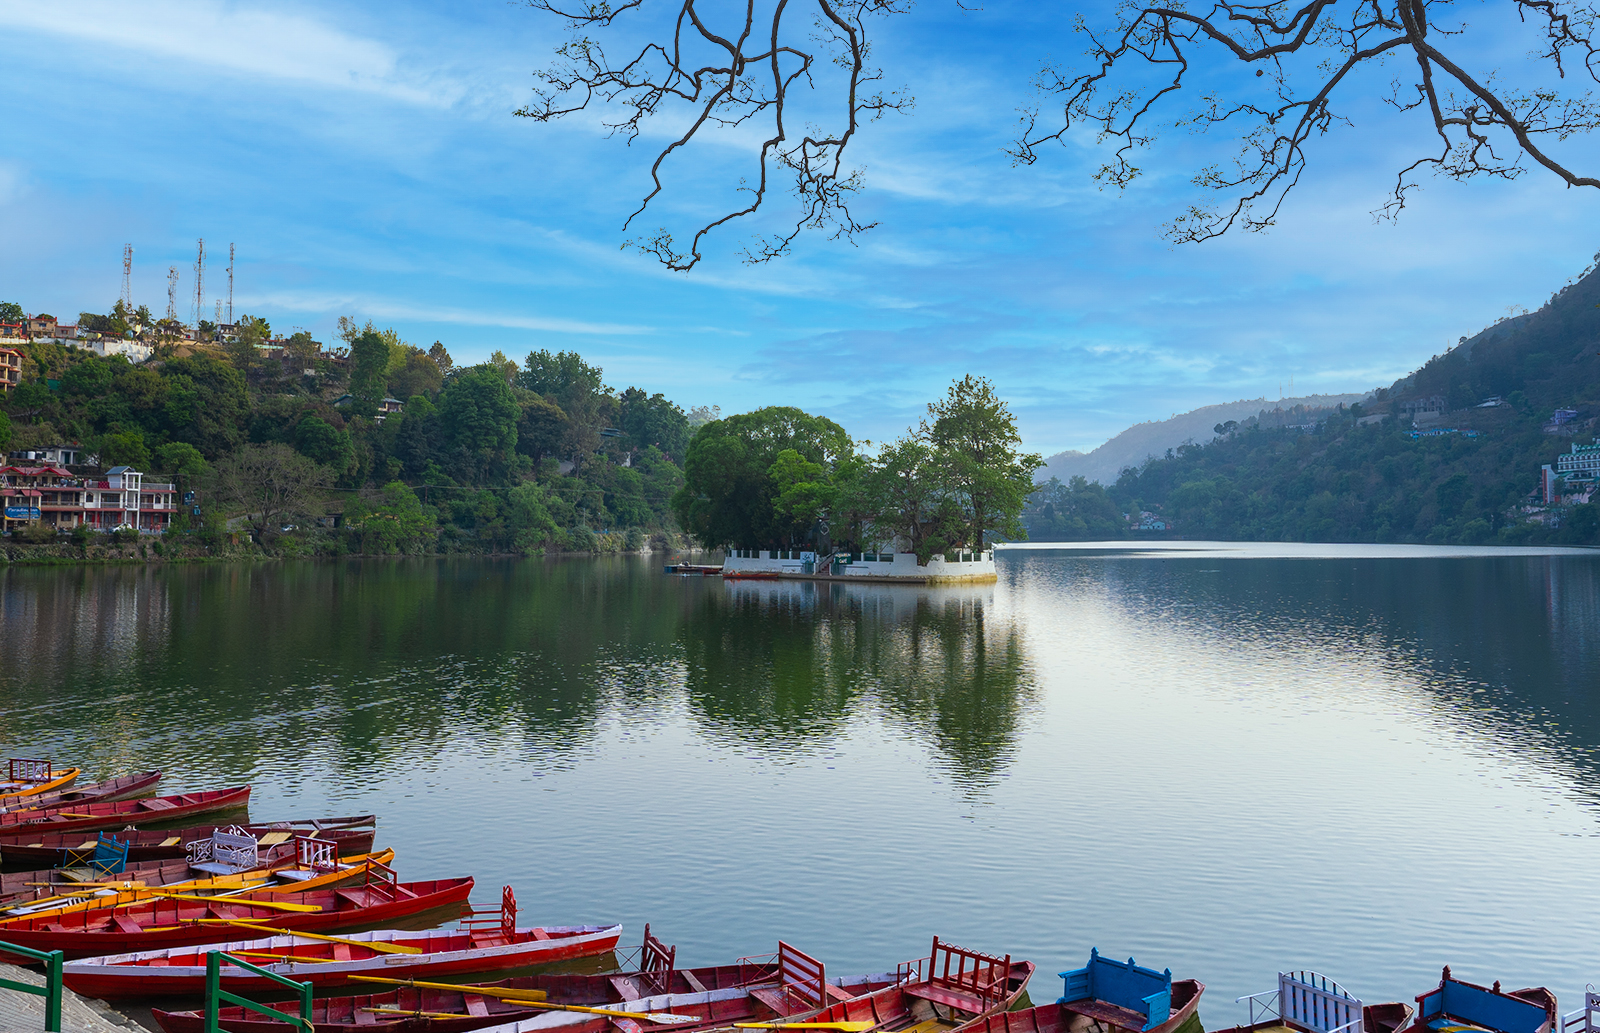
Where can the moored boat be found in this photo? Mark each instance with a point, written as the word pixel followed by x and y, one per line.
pixel 46 848
pixel 1307 1002
pixel 123 787
pixel 93 817
pixel 951 989
pixel 441 953
pixel 26 778
pixel 1106 995
pixel 783 986
pixel 171 921
pixel 1455 1006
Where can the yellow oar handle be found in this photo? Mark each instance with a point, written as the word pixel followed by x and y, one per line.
pixel 844 1027
pixel 381 946
pixel 273 904
pixel 504 993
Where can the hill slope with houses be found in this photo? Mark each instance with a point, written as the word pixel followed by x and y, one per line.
pixel 1490 442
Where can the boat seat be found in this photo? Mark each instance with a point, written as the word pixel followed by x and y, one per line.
pixel 957 999
pixel 771 998
pixel 627 987
pixel 341 952
pixel 171 841
pixel 128 925
pixel 626 1025
pixel 540 934
pixel 1107 1013
pixel 838 993
pixel 157 804
pixel 365 1018
pixel 295 874
pixel 215 868
pixel 694 982
pixel 274 838
pixel 475 1004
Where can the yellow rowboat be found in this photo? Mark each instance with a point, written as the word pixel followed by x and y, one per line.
pixel 262 880
pixel 32 777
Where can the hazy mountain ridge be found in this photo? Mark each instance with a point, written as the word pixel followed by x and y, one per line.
pixel 1144 440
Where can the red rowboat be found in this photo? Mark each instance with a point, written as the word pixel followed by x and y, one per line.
pixel 30 777
pixel 1108 996
pixel 725 994
pixel 95 816
pixel 121 788
pixel 957 987
pixel 43 848
pixel 149 925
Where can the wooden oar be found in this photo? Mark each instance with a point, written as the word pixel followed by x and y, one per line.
pixel 281 957
pixel 648 1016
pixel 418 1014
pixel 502 992
pixel 845 1027
pixel 381 946
pixel 274 904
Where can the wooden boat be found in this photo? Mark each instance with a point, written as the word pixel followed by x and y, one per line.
pixel 773 987
pixel 230 862
pixel 1457 1007
pixel 951 989
pixel 156 809
pixel 31 777
pixel 1106 995
pixel 150 925
pixel 478 946
pixel 694 570
pixel 124 787
pixel 1306 1002
pixel 45 848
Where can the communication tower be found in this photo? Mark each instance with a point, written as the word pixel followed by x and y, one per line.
pixel 127 276
pixel 230 283
pixel 172 292
pixel 218 317
pixel 199 282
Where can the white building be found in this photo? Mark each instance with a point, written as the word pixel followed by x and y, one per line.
pixel 956 566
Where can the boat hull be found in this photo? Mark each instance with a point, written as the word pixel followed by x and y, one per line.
pixel 120 977
pixel 97 817
pixel 46 848
pixel 1061 1018
pixel 153 925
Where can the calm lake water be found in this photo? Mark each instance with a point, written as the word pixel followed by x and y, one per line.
pixel 1229 760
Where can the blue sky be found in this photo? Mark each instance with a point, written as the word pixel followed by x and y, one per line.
pixel 364 160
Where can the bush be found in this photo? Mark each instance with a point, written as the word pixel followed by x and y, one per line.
pixel 83 534
pixel 36 532
pixel 635 540
pixel 581 539
pixel 124 536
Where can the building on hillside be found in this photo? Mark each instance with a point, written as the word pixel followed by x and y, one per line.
pixel 1492 402
pixel 1582 464
pixel 72 454
pixel 10 369
pixel 1427 406
pixel 389 406
pixel 41 326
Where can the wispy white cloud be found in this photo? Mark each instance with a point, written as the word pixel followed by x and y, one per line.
pixel 380 308
pixel 271 42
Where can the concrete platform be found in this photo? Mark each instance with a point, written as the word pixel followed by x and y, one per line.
pixel 24 1013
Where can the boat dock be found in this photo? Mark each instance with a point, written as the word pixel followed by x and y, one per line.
pixel 24 1013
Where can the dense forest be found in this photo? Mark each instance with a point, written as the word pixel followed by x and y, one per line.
pixel 1331 475
pixel 288 446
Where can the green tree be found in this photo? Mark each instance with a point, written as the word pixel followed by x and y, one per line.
pixel 126 448
pixel 729 491
pixel 478 414
pixel 564 377
pixel 5 427
pixel 369 369
pixel 11 313
pixel 905 494
pixel 392 520
pixel 540 427
pixel 182 459
pixel 975 436
pixel 319 440
pixel 653 420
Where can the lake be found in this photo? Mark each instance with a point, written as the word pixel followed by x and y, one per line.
pixel 1223 759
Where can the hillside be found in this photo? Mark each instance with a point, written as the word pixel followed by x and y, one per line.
pixel 1143 440
pixel 1465 474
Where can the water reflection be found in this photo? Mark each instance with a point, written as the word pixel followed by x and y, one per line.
pixel 366 660
pixel 790 663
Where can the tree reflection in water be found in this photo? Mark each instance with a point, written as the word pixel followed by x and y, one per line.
pixel 787 664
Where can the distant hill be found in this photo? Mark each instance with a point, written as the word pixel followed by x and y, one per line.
pixel 1143 440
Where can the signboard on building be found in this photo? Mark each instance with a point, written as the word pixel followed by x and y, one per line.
pixel 21 513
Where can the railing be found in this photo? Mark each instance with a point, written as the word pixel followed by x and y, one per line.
pixel 1583 1018
pixel 502 920
pixel 215 994
pixel 23 769
pixel 1310 1000
pixel 50 991
pixel 984 976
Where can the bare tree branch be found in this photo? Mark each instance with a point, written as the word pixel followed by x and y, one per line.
pixel 749 69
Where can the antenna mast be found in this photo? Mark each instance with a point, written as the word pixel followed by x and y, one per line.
pixel 127 275
pixel 199 284
pixel 172 292
pixel 230 283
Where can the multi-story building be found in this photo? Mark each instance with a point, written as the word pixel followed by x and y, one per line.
pixel 72 454
pixel 10 369
pixel 120 497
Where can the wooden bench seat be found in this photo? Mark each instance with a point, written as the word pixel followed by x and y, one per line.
pixel 627 987
pixel 771 998
pixel 694 982
pixel 1107 1013
pixel 959 999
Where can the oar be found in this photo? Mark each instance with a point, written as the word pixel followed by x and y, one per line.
pixel 278 905
pixel 281 957
pixel 381 946
pixel 648 1016
pixel 845 1027
pixel 503 992
pixel 418 1014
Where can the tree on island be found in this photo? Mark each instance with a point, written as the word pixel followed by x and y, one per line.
pixel 780 477
pixel 737 69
